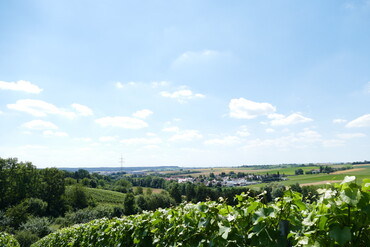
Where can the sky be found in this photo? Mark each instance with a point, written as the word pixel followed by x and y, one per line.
pixel 186 83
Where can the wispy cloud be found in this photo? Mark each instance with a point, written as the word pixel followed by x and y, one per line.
pixel 200 57
pixel 21 85
pixel 108 138
pixel 186 135
pixel 142 113
pixel 121 85
pixel 225 141
pixel 182 95
pixel 350 135
pixel 39 108
pixel 122 122
pixel 142 141
pixel 363 121
pixel 294 118
pixel 243 131
pixel 246 109
pixel 157 84
pixel 39 125
pixel 54 133
pixel 171 129
pixel 82 110
pixel 339 120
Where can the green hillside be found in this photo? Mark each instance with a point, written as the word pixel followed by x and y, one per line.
pixel 340 217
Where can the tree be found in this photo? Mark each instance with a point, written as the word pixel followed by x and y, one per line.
pixel 174 191
pixel 298 172
pixel 77 197
pixel 129 204
pixel 52 190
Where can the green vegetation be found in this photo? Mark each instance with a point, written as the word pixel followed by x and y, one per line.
pixel 340 217
pixel 36 202
pixel 101 196
pixel 8 240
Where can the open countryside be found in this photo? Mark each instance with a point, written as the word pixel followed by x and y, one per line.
pixel 184 123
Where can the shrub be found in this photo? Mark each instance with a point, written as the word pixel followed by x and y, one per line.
pixel 37 226
pixel 8 240
pixel 26 238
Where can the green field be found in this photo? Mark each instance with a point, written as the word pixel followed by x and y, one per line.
pixel 154 190
pixel 105 196
pixel 290 170
pixel 361 172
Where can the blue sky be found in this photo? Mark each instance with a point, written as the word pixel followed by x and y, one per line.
pixel 188 83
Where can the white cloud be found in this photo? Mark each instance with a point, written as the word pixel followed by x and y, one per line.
pixel 21 85
pixel 171 129
pixel 227 141
pixel 186 135
pixel 294 140
pixel 182 95
pixel 82 110
pixel 142 141
pixel 339 120
pixel 143 113
pixel 156 84
pixel 243 131
pixel 34 147
pixel 275 116
pixel 350 135
pixel 122 122
pixel 367 89
pixel 39 108
pixel 39 125
pixel 269 130
pixel 363 121
pixel 294 118
pixel 200 57
pixel 246 109
pixel 151 134
pixel 83 139
pixel 54 133
pixel 108 138
pixel 309 135
pixel 121 85
pixel 1 112
pixel 333 143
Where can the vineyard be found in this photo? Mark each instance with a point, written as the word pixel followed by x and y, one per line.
pixel 340 216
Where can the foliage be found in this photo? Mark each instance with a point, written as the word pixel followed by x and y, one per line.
pixel 88 214
pixel 26 238
pixel 8 240
pixel 38 226
pixel 77 197
pixel 105 196
pixel 340 217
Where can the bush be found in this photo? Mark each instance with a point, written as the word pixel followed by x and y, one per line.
pixel 88 214
pixel 35 206
pixel 37 226
pixel 76 197
pixel 8 240
pixel 26 238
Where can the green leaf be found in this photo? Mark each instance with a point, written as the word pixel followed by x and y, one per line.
pixel 350 196
pixel 340 234
pixel 223 231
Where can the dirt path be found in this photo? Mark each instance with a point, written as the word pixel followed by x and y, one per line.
pixel 348 171
pixel 321 182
